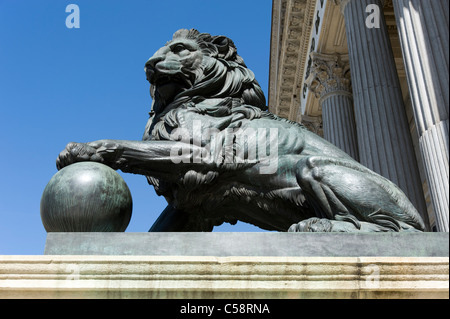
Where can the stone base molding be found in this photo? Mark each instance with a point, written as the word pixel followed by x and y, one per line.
pixel 223 277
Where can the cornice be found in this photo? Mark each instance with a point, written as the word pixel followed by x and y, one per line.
pixel 291 25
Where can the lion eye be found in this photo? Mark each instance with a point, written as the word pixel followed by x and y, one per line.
pixel 178 48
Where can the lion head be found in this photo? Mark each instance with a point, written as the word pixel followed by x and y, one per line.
pixel 195 64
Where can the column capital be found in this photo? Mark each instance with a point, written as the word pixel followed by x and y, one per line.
pixel 330 75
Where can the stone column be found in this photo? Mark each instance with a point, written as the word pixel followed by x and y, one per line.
pixel 330 81
pixel 424 31
pixel 384 139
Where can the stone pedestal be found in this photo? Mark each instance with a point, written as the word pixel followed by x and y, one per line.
pixel 231 266
pixel 247 277
pixel 268 244
pixel 384 139
pixel 424 32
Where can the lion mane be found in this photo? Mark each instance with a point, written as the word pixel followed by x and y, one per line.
pixel 222 77
pixel 222 74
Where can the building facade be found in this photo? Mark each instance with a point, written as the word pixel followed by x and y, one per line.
pixel 372 77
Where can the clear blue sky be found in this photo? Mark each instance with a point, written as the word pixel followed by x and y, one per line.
pixel 59 85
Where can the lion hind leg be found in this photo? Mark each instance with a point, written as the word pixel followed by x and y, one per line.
pixel 310 178
pixel 352 197
pixel 338 211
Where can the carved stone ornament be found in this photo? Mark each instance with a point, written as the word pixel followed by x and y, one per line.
pixel 330 73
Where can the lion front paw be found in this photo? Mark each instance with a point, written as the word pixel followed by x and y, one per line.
pixel 77 152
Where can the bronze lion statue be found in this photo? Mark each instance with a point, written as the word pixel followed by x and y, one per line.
pixel 217 155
